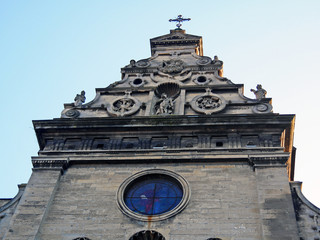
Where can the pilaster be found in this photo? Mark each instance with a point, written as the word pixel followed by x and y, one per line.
pixel 275 202
pixel 35 202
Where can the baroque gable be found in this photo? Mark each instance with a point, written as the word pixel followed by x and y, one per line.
pixel 175 80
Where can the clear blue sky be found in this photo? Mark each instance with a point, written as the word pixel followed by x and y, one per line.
pixel 51 50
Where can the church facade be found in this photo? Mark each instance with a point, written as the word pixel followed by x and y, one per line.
pixel 172 151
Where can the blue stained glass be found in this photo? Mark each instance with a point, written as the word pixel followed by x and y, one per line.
pixel 153 194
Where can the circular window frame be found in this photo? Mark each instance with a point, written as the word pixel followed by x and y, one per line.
pixel 186 193
pixel 137 85
pixel 201 83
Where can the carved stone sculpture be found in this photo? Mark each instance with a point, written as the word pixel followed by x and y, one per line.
pixel 204 61
pixel 208 102
pixel 172 66
pixel 124 106
pixel 72 113
pixel 262 108
pixel 143 63
pixel 79 99
pixel 132 63
pixel 164 105
pixel 216 61
pixel 260 92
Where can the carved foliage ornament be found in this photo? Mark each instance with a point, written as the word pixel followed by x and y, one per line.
pixel 172 66
pixel 208 103
pixel 124 106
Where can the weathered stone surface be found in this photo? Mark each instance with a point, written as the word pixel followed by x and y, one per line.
pixel 7 209
pixel 226 201
pixel 29 213
pixel 173 111
pixel 307 215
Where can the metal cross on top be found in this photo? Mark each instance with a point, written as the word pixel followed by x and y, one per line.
pixel 179 19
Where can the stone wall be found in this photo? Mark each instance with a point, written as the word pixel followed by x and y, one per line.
pixel 229 201
pixel 7 210
pixel 32 208
pixel 307 215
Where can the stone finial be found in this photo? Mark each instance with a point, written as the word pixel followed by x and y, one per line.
pixel 80 99
pixel 260 92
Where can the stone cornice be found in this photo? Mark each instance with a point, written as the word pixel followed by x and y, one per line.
pixel 267 160
pixel 172 121
pixel 255 160
pixel 52 164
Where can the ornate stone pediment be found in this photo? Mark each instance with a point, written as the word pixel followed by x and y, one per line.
pixel 177 66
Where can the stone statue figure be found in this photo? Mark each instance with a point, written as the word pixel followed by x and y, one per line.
pixel 260 92
pixel 216 61
pixel 79 99
pixel 132 63
pixel 165 105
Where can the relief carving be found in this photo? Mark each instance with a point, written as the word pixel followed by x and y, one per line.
pixel 204 61
pixel 124 106
pixel 208 103
pixel 72 113
pixel 161 76
pixel 172 66
pixel 165 105
pixel 142 63
pixel 262 108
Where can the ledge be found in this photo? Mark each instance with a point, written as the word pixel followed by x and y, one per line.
pixel 254 160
